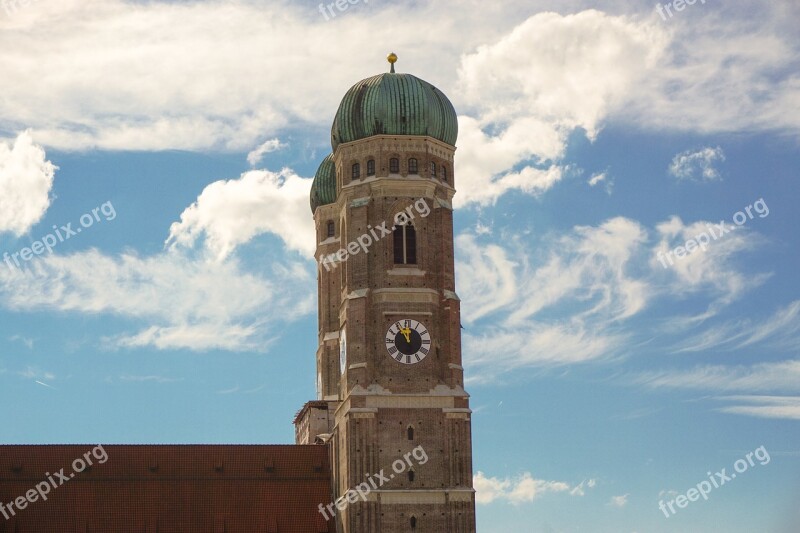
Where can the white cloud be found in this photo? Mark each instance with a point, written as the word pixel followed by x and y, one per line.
pixel 26 177
pixel 781 376
pixel 206 75
pixel 668 494
pixel 486 277
pixel 34 373
pixel 155 379
pixel 697 165
pixel 267 147
pixel 589 265
pixel 780 330
pixel 619 501
pixel 568 297
pixel 24 340
pixel 202 336
pixel 533 344
pixel 778 407
pixel 583 67
pixel 188 303
pixel 585 270
pixel 723 72
pixel 580 489
pixel 230 213
pixel 596 178
pixel 711 269
pixel 602 178
pixel 193 87
pixel 586 265
pixel 521 489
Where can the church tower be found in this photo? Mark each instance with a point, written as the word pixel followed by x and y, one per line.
pixel 391 402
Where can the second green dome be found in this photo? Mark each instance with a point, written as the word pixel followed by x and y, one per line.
pixel 323 188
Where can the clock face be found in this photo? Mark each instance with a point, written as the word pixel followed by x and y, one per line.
pixel 342 350
pixel 408 341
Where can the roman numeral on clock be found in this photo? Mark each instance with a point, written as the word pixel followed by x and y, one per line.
pixel 424 350
pixel 392 350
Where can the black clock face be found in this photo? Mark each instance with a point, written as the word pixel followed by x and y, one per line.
pixel 410 346
pixel 408 341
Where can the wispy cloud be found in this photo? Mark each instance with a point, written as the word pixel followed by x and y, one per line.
pixel 189 303
pixel 780 407
pixel 619 501
pixel 572 297
pixel 782 376
pixel 602 178
pixel 143 379
pixel 34 373
pixel 521 489
pixel 580 488
pixel 712 270
pixel 781 330
pixel 698 165
pixel 272 145
pixel 24 340
pixel 585 270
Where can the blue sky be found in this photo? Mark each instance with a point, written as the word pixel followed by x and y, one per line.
pixel 593 137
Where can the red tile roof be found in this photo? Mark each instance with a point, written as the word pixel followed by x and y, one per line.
pixel 167 488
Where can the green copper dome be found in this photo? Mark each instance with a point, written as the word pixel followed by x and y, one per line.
pixel 323 188
pixel 394 104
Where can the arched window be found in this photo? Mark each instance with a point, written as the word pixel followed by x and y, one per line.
pixel 444 173
pixel 371 167
pixel 413 522
pixel 413 168
pixel 410 433
pixel 433 169
pixel 411 475
pixel 331 228
pixel 356 170
pixel 405 245
pixel 394 165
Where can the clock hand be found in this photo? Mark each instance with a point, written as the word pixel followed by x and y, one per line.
pixel 407 334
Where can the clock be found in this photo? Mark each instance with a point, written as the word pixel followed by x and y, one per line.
pixel 408 341
pixel 342 350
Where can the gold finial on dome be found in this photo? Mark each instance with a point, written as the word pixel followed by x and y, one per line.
pixel 392 58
